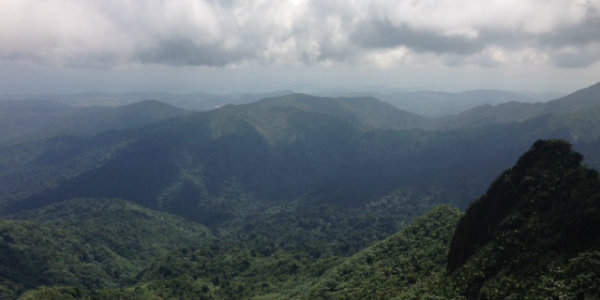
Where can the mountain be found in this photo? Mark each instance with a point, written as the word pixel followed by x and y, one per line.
pixel 535 233
pixel 274 151
pixel 86 243
pixel 274 155
pixel 399 267
pixel 581 99
pixel 517 111
pixel 192 101
pixel 298 193
pixel 437 104
pixel 23 120
pixel 365 112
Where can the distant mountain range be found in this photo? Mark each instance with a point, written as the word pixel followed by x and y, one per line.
pixel 298 196
pixel 27 119
pixel 516 111
pixel 304 145
pixel 437 104
pixel 430 104
pixel 193 101
pixel 534 233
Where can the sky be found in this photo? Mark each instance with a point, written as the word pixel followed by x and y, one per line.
pixel 66 46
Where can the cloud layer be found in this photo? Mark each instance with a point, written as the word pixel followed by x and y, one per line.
pixel 232 33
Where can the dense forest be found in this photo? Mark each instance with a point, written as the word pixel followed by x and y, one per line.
pixel 301 197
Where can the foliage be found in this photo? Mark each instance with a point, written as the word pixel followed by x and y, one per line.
pixel 87 244
pixel 401 266
pixel 299 196
pixel 528 235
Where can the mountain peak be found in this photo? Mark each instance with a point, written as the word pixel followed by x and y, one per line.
pixel 365 112
pixel 549 187
pixel 554 153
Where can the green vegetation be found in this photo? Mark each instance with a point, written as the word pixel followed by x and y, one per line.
pixel 528 235
pixel 534 234
pixel 87 244
pixel 303 197
pixel 403 266
pixel 26 120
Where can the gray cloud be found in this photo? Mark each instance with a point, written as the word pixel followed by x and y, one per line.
pixel 579 57
pixel 182 51
pixel 584 32
pixel 95 34
pixel 381 34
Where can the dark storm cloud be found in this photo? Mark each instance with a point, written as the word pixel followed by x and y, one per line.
pixel 382 34
pixel 576 58
pixel 584 32
pixel 182 51
pixel 576 45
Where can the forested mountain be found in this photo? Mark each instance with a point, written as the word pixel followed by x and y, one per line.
pixel 437 104
pixel 517 111
pixel 91 243
pixel 280 149
pixel 192 101
pixel 407 265
pixel 291 197
pixel 431 104
pixel 23 120
pixel 535 233
pixel 366 112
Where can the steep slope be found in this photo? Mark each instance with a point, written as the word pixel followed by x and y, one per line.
pixel 535 233
pixel 584 98
pixel 87 243
pixel 488 114
pixel 32 167
pixel 400 267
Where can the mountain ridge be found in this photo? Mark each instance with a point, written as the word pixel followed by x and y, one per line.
pixel 26 120
pixel 579 100
pixel 536 218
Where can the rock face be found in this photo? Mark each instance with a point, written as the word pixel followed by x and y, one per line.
pixel 547 203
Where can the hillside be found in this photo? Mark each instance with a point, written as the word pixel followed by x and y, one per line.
pixel 365 112
pixel 402 266
pixel 314 150
pixel 535 233
pixel 86 243
pixel 276 151
pixel 518 111
pixel 294 189
pixel 24 120
pixel 438 104
pixel 192 101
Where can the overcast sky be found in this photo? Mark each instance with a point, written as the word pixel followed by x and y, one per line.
pixel 262 45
